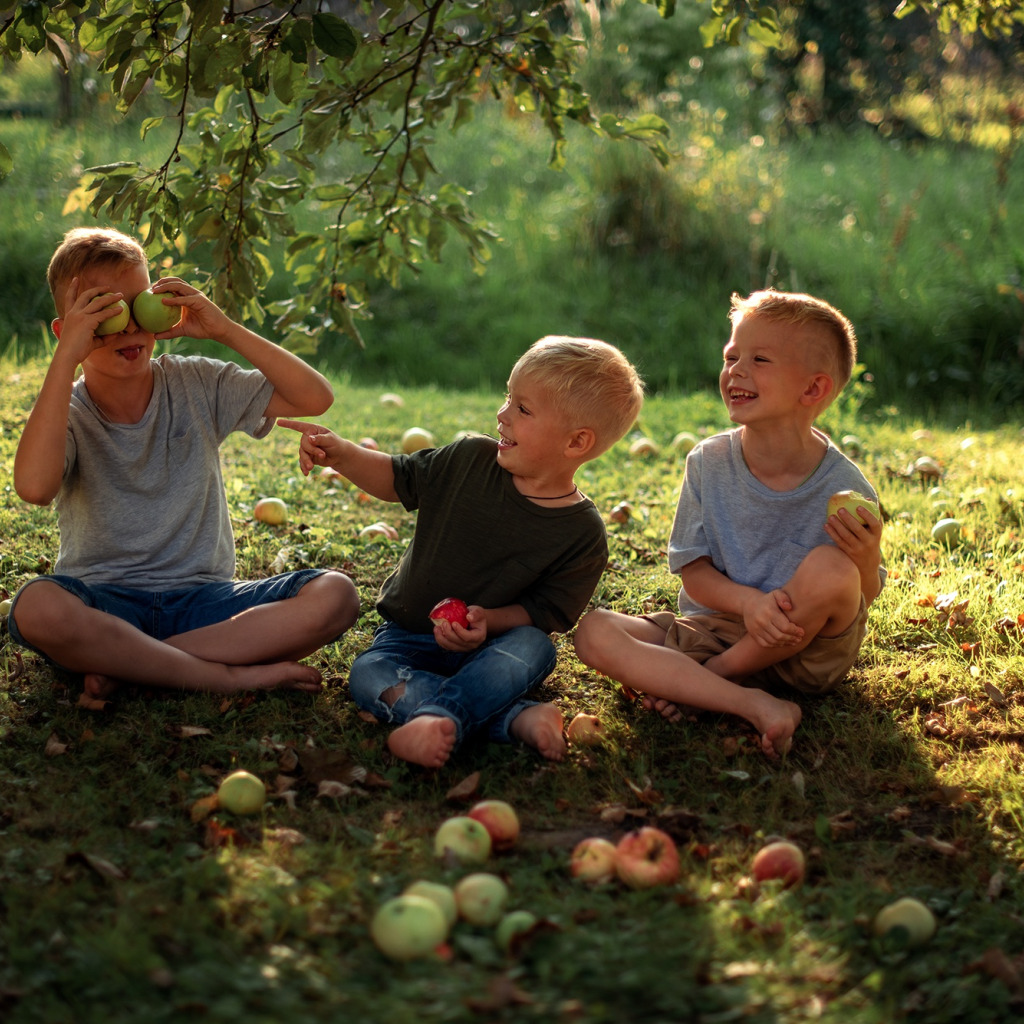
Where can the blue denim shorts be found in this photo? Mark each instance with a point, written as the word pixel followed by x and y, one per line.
pixel 161 614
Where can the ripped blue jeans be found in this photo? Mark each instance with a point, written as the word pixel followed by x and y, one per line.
pixel 481 690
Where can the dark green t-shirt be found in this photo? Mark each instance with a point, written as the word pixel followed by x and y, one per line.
pixel 479 539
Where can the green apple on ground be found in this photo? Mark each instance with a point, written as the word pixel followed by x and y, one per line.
pixel 781 861
pixel 684 442
pixel 500 820
pixel 593 860
pixel 481 898
pixel 416 438
pixel 408 926
pixel 644 447
pixel 947 531
pixel 463 839
pixel 391 401
pixel 5 608
pixel 908 915
pixel 118 319
pixel 272 511
pixel 152 315
pixel 647 857
pixel 514 924
pixel 242 793
pixel 851 500
pixel 440 893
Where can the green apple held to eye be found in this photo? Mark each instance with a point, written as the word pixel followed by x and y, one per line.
pixel 152 315
pixel 851 500
pixel 117 321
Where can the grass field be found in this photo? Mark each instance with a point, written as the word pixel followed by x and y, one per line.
pixel 122 899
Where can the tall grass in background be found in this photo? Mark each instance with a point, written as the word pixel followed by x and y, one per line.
pixel 919 243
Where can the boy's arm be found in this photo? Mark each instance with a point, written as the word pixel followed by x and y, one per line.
pixel 39 461
pixel 299 390
pixel 371 471
pixel 483 622
pixel 862 543
pixel 764 615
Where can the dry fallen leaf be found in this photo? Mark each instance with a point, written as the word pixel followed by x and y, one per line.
pixel 54 747
pixel 91 703
pixel 465 790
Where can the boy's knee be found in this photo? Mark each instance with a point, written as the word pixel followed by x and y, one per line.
pixel 41 612
pixel 828 577
pixel 591 629
pixel 337 599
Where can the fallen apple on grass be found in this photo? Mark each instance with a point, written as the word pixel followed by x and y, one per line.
pixel 586 731
pixel 391 401
pixel 118 319
pixel 416 438
pixel 272 511
pixel 241 792
pixel 441 894
pixel 781 861
pixel 947 531
pixel 851 501
pixel 407 927
pixel 644 447
pixel 378 531
pixel 5 608
pixel 481 898
pixel 593 860
pixel 152 315
pixel 621 512
pixel 513 925
pixel 684 442
pixel 909 916
pixel 463 839
pixel 450 609
pixel 500 820
pixel 647 857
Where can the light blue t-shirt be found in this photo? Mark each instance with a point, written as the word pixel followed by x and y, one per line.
pixel 754 535
pixel 142 504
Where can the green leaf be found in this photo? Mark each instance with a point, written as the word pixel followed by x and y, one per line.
pixel 334 36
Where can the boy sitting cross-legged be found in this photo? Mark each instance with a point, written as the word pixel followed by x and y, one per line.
pixel 774 590
pixel 501 525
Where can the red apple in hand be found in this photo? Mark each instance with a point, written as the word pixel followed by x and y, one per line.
pixel 782 861
pixel 450 609
pixel 647 857
pixel 500 820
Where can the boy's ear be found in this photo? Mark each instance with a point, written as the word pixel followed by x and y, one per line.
pixel 55 325
pixel 819 389
pixel 581 441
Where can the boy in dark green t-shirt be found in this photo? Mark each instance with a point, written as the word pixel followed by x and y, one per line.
pixel 502 526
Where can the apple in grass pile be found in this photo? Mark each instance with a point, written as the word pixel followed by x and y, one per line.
pixel 593 860
pixel 500 820
pixel 779 861
pixel 647 857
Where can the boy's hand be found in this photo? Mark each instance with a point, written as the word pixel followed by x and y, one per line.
pixel 767 620
pixel 452 637
pixel 862 543
pixel 318 445
pixel 83 313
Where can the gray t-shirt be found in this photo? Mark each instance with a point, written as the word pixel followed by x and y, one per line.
pixel 754 535
pixel 142 504
pixel 477 538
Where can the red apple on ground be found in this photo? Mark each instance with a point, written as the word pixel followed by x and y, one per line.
pixel 241 792
pixel 370 443
pixel 481 898
pixel 593 860
pixel 440 893
pixel 464 839
pixel 586 731
pixel 450 609
pixel 908 915
pixel 408 926
pixel 152 315
pixel 850 500
pixel 272 511
pixel 647 857
pixel 779 861
pixel 500 820
pixel 118 319
pixel 621 512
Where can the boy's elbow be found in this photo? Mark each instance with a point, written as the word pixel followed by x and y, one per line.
pixel 321 399
pixel 33 494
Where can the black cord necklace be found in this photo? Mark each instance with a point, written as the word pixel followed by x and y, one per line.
pixel 554 497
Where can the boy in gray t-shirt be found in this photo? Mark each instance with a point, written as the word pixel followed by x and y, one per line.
pixel 142 590
pixel 773 588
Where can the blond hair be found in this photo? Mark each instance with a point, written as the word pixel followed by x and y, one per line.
pixel 90 247
pixel 591 382
pixel 800 310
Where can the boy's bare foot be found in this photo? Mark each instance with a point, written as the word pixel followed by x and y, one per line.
pixel 665 708
pixel 776 720
pixel 99 687
pixel 427 740
pixel 283 675
pixel 540 726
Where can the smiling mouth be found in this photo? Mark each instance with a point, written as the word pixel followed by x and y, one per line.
pixel 504 442
pixel 737 395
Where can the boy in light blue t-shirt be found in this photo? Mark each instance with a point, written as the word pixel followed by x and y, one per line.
pixel 773 589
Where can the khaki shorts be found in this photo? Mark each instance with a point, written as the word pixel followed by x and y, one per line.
pixel 819 668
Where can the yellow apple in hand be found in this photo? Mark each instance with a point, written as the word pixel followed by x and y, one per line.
pixel 117 321
pixel 850 500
